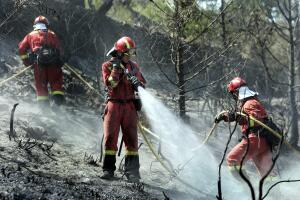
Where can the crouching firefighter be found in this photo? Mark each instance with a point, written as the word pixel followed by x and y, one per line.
pixel 122 78
pixel 259 148
pixel 41 49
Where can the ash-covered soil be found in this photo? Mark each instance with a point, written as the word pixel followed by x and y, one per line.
pixel 41 163
pixel 54 156
pixel 55 153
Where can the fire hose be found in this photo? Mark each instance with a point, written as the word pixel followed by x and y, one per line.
pixel 142 129
pixel 271 131
pixel 14 76
pixel 146 140
pixel 261 124
pixel 82 79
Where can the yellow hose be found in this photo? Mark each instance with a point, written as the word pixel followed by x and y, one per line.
pixel 207 137
pixel 82 79
pixel 14 76
pixel 272 132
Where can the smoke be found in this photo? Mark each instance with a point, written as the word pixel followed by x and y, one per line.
pixel 289 167
pixel 195 164
pixel 80 129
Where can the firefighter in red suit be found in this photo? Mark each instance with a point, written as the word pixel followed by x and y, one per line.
pixel 259 150
pixel 41 49
pixel 122 78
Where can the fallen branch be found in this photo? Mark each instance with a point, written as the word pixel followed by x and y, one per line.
pixel 11 128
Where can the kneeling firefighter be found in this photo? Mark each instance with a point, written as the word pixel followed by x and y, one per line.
pixel 122 78
pixel 259 147
pixel 41 49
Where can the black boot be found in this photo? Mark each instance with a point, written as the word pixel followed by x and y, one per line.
pixel 107 175
pixel 132 166
pixel 108 167
pixel 58 99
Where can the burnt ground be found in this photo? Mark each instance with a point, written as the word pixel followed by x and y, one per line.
pixel 56 155
pixel 36 164
pixel 41 160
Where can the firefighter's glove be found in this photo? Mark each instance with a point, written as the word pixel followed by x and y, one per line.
pixel 228 116
pixel 231 116
pixel 31 58
pixel 220 117
pixel 116 64
pixel 135 82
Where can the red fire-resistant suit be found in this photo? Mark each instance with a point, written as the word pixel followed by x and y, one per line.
pixel 259 150
pixel 43 74
pixel 120 112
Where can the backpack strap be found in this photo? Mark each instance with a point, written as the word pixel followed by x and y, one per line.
pixel 133 68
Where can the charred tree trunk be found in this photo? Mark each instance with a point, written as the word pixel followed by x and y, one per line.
pixel 297 48
pixel 223 24
pixel 292 75
pixel 264 62
pixel 1 10
pixel 180 78
pixel 179 68
pixel 105 7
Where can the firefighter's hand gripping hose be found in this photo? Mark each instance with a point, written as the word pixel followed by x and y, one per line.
pixel 142 130
pixel 14 76
pixel 268 128
pixel 210 132
pixel 133 79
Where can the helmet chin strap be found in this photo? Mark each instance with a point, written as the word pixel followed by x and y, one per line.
pixel 235 95
pixel 120 55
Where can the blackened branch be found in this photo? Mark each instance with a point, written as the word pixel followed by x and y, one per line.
pixel 11 128
pixel 261 182
pixel 219 196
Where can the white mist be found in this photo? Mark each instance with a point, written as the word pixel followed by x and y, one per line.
pixel 202 170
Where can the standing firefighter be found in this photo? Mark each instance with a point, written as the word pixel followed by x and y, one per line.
pixel 122 77
pixel 259 148
pixel 41 48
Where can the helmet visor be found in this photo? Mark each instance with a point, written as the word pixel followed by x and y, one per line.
pixel 130 52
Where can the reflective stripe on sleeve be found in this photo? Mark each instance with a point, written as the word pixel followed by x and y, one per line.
pixel 112 82
pixel 24 56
